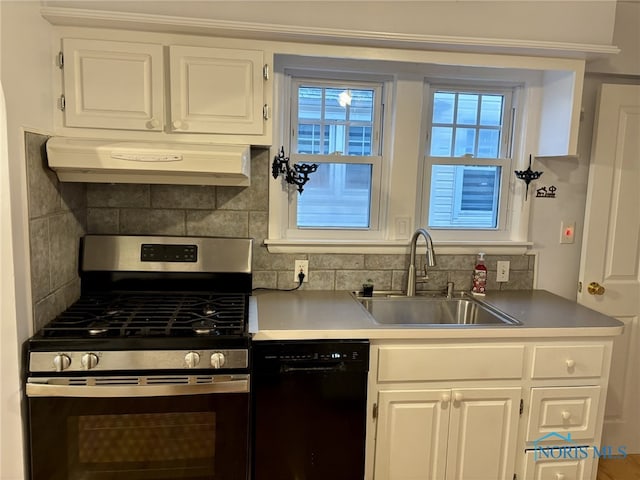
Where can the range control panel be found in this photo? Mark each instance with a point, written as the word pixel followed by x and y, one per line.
pixel 151 252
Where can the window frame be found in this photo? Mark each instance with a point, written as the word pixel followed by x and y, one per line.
pixel 512 93
pixel 298 77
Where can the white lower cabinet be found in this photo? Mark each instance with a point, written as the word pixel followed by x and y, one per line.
pixel 495 410
pixel 465 433
pixel 537 468
pixel 413 428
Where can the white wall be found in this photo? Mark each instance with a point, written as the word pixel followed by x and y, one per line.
pixel 25 72
pixel 571 175
pixel 627 37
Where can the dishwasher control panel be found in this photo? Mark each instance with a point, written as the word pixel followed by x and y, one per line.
pixel 355 353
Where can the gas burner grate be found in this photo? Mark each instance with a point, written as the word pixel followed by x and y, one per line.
pixel 151 315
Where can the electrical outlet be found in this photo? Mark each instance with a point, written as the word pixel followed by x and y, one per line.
pixel 503 271
pixel 301 266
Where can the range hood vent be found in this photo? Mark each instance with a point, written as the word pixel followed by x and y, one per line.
pixel 107 161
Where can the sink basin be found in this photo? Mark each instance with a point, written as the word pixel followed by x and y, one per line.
pixel 417 311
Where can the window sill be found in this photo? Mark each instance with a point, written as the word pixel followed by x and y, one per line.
pixel 391 247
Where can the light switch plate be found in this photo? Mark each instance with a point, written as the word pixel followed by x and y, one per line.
pixel 568 232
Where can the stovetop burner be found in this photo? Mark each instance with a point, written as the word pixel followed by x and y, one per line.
pixel 151 315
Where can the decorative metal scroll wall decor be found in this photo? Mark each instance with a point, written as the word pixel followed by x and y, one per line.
pixel 298 175
pixel 527 176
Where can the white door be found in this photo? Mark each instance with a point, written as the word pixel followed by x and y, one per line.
pixel 610 259
pixel 483 428
pixel 114 85
pixel 216 90
pixel 411 439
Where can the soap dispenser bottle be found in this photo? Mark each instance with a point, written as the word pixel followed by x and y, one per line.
pixel 479 276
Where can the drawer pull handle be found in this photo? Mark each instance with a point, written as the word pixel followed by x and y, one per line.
pixel 571 363
pixel 457 397
pixel 446 398
pixel 560 476
pixel 566 415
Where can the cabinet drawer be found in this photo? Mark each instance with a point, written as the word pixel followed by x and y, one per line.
pixel 562 411
pixel 537 467
pixel 399 363
pixel 572 361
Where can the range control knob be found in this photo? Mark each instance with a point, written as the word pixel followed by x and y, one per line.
pixel 89 361
pixel 192 359
pixel 61 362
pixel 217 360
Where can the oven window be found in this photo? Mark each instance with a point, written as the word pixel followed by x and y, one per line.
pixel 191 437
pixel 143 438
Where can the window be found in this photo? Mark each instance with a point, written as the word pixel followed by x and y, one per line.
pixel 468 157
pixel 336 124
pixel 402 145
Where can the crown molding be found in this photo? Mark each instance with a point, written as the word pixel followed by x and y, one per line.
pixel 333 36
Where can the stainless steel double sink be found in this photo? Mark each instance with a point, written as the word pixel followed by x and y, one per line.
pixel 461 311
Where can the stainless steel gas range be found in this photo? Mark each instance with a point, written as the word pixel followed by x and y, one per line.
pixel 146 376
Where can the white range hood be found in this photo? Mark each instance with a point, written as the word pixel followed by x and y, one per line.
pixel 107 161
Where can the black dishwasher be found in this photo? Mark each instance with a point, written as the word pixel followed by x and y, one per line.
pixel 309 409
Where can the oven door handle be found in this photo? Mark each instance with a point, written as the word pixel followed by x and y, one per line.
pixel 48 387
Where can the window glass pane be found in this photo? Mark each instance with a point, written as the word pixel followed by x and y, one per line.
pixel 361 109
pixel 464 196
pixel 333 109
pixel 359 141
pixel 441 138
pixel 488 143
pixel 467 109
pixel 309 103
pixel 443 107
pixel 309 138
pixel 465 142
pixel 341 200
pixel 491 110
pixel 335 138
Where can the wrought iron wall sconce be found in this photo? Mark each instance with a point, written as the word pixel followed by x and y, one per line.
pixel 298 175
pixel 527 176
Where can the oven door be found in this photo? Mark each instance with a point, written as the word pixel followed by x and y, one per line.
pixel 134 428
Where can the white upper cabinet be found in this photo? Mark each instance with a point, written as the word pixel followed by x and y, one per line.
pixel 113 85
pixel 216 90
pixel 128 87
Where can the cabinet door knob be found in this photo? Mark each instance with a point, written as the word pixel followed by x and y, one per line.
pixel 571 363
pixel 566 415
pixel 153 123
pixel 446 398
pixel 458 397
pixel 180 125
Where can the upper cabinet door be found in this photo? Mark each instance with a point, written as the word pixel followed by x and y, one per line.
pixel 114 85
pixel 216 90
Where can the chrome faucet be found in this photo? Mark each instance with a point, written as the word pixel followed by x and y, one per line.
pixel 429 261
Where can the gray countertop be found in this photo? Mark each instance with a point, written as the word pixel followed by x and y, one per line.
pixel 303 315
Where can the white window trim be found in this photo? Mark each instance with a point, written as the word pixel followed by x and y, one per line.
pixel 509 229
pixel 282 217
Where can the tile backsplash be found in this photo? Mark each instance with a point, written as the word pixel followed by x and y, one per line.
pixel 61 212
pixel 57 220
